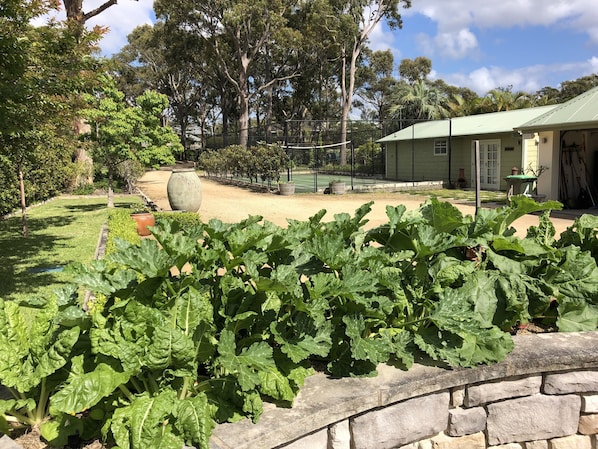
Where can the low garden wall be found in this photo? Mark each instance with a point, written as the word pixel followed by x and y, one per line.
pixel 544 395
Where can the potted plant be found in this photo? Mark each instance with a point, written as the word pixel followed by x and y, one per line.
pixel 286 187
pixel 143 217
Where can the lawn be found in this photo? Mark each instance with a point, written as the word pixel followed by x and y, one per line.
pixel 61 231
pixel 486 196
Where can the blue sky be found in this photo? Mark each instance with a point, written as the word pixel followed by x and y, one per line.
pixel 528 44
pixel 484 44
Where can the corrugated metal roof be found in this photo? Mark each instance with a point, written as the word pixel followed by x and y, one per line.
pixel 581 111
pixel 491 123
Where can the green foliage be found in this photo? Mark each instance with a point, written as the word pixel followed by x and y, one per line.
pixel 43 69
pixel 262 162
pixel 161 358
pixel 121 226
pixel 125 134
pixel 37 351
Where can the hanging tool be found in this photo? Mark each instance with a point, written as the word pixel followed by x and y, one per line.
pixel 582 162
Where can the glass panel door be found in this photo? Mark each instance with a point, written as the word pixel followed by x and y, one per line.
pixel 490 164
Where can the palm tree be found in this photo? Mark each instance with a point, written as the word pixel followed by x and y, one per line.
pixel 419 101
pixel 504 99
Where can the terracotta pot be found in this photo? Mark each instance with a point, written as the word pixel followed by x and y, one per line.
pixel 143 220
pixel 184 190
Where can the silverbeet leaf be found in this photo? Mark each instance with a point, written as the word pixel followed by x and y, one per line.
pixel 246 365
pixel 85 390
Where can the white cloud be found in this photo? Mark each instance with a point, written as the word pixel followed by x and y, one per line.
pixel 381 38
pixel 527 79
pixel 458 18
pixel 121 19
pixel 456 45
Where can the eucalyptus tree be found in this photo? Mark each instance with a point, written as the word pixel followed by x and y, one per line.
pixel 164 59
pixel 375 85
pixel 417 69
pixel 242 29
pixel 352 22
pixel 74 10
pixel 312 96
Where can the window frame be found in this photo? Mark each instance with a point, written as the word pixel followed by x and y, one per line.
pixel 440 147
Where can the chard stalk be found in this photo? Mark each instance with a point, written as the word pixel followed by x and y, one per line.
pixel 15 393
pixel 126 392
pixel 184 389
pixel 136 385
pixel 18 418
pixel 40 412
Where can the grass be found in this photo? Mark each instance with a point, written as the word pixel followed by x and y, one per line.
pixel 61 232
pixel 486 196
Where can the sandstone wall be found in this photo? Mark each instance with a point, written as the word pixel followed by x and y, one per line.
pixel 543 396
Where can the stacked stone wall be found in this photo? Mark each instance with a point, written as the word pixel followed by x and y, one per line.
pixel 543 396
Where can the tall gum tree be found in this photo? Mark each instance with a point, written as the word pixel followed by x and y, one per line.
pixel 355 22
pixel 74 10
pixel 238 28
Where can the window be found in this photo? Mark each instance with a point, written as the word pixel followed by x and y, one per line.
pixel 440 147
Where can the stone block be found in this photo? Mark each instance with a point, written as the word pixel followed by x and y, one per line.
pixel 466 421
pixel 475 441
pixel 538 444
pixel 506 389
pixel 402 423
pixel 572 382
pixel 571 442
pixel 317 440
pixel 339 435
pixel 588 424
pixel 589 403
pixel 457 396
pixel 8 443
pixel 537 417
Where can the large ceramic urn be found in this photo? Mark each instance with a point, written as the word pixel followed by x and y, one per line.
pixel 184 190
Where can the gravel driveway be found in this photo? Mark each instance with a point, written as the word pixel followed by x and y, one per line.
pixel 232 204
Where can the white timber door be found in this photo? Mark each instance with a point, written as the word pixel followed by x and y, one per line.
pixel 489 164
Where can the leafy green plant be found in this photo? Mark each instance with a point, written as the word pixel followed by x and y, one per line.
pixel 263 162
pixel 37 351
pixel 259 307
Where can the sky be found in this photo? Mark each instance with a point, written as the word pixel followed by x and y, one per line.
pixel 479 44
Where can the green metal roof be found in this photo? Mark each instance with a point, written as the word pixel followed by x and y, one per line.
pixel 581 111
pixel 491 123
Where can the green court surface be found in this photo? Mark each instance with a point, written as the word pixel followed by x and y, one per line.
pixel 317 182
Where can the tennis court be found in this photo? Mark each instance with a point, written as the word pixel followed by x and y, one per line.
pixel 312 181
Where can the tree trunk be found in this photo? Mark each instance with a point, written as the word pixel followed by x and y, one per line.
pixel 74 10
pixel 23 202
pixel 243 119
pixel 110 189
